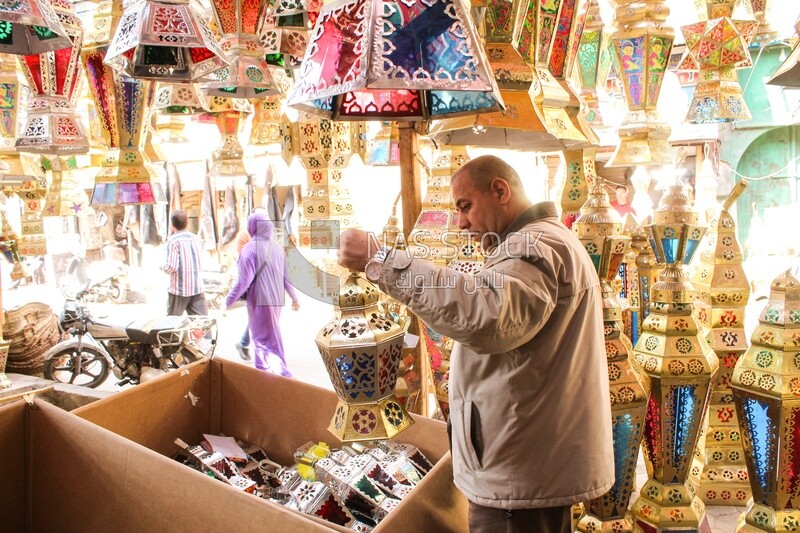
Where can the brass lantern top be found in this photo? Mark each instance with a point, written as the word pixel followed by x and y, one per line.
pixel 356 293
pixel 675 207
pixel 598 210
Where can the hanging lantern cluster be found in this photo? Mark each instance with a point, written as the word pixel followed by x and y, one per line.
pixel 641 43
pixel 248 75
pixel 286 30
pixel 164 40
pixel 415 60
pixel 533 117
pixel 593 61
pixel 30 27
pixel 766 385
pixel 599 229
pixel 723 291
pixel 681 367
pixel 717 47
pixel 52 126
pixel 361 348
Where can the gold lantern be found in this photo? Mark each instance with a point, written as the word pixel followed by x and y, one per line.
pixel 600 230
pixel 717 47
pixel 361 348
pixel 65 196
pixel 642 42
pixel 723 291
pixel 267 121
pixel 52 126
pixel 581 175
pixel 172 102
pixel 229 115
pixel 766 388
pixel 681 367
pixel 593 61
pixel 764 33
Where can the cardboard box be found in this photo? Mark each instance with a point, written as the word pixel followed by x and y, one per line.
pixel 278 414
pixel 62 473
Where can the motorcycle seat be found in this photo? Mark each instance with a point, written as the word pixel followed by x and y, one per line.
pixel 147 330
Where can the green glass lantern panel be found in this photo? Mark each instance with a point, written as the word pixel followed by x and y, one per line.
pixel 160 55
pixel 276 60
pixel 43 33
pixel 6 33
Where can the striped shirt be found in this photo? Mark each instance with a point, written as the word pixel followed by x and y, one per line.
pixel 184 263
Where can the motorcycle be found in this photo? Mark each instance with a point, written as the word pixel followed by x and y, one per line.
pixel 217 285
pixel 135 351
pixel 110 279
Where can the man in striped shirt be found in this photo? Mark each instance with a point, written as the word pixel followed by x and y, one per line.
pixel 184 264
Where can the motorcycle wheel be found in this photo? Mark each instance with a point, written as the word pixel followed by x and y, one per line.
pixel 90 372
pixel 118 293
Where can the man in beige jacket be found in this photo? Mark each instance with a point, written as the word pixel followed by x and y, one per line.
pixel 529 402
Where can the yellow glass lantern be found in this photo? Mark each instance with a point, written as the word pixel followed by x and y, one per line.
pixel 361 348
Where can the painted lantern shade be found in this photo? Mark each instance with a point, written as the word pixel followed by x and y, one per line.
pixel 717 47
pixel 164 40
pixel 123 105
pixel 9 102
pixel 593 61
pixel 267 121
pixel 681 367
pixel 409 60
pixel 52 126
pixel 641 44
pixel 65 196
pixel 766 389
pixel 30 27
pixel 361 348
pixel 248 75
pixel 600 230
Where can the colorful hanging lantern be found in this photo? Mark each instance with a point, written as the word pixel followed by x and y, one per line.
pixel 363 64
pixel 534 116
pixel 285 36
pixel 600 230
pixel 717 47
pixel 766 385
pixel 248 75
pixel 9 102
pixel 642 42
pixel 123 105
pixel 30 27
pixel 764 33
pixel 164 40
pixel 593 61
pixel 581 175
pixel 52 125
pixel 681 367
pixel 723 290
pixel 361 349
pixel 383 146
pixel 173 102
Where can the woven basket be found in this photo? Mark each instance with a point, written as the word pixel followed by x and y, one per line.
pixel 32 330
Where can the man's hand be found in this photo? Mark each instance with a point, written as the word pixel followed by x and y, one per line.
pixel 356 248
pixel 295 306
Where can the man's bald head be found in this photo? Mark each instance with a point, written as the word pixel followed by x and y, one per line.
pixel 482 170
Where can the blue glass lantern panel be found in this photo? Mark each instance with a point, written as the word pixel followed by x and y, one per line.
pixel 687 409
pixel 104 194
pixel 691 248
pixel 627 433
pixel 455 103
pixel 357 372
pixel 670 247
pixel 760 434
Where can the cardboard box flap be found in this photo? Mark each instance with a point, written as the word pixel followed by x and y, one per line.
pixel 88 479
pixel 13 452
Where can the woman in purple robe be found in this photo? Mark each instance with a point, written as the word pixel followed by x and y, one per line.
pixel 266 291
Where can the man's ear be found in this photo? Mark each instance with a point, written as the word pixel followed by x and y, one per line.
pixel 501 189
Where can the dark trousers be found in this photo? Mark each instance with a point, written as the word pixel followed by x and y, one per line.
pixel 193 305
pixel 545 520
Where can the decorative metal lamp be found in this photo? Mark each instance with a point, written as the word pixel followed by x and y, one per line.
pixel 361 348
pixel 716 47
pixel 52 125
pixel 363 64
pixel 766 385
pixel 285 36
pixel 593 61
pixel 383 145
pixel 722 291
pixel 248 75
pixel 65 196
pixel 164 40
pixel 436 237
pixel 788 74
pixel 681 367
pixel 229 114
pixel 173 102
pixel 124 106
pixel 581 176
pixel 267 121
pixel 30 27
pixel 629 275
pixel 9 247
pixel 9 103
pixel 642 42
pixel 764 33
pixel 600 230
